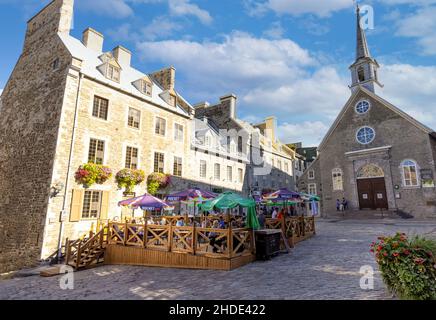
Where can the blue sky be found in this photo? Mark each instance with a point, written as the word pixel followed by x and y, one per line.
pixel 287 58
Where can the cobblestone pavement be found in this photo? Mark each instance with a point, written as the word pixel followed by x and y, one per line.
pixel 323 267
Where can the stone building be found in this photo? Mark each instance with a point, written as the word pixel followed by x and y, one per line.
pixel 69 102
pixel 271 162
pixel 374 154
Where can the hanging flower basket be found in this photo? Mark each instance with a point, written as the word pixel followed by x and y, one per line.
pixel 157 181
pixel 91 173
pixel 129 178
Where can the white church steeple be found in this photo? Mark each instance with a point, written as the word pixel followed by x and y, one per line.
pixel 364 69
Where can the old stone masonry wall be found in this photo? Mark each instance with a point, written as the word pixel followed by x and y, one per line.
pixel 29 123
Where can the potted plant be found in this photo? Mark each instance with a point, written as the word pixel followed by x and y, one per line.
pixel 91 173
pixel 129 178
pixel 157 181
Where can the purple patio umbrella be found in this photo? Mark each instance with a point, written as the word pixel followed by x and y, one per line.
pixel 146 202
pixel 195 194
pixel 282 195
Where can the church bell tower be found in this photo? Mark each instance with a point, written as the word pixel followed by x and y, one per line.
pixel 364 69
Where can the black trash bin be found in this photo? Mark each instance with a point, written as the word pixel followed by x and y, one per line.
pixel 267 243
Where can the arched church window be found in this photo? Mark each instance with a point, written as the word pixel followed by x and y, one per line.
pixel 361 74
pixel 338 184
pixel 409 170
pixel 365 135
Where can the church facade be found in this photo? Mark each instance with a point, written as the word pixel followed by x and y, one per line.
pixel 374 155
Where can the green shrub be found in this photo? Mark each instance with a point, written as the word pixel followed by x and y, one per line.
pixel 408 266
pixel 129 178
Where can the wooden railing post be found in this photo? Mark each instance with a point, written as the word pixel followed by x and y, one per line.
pixel 79 255
pixel 126 233
pixel 67 251
pixel 170 238
pixel 230 240
pixel 194 239
pixel 144 237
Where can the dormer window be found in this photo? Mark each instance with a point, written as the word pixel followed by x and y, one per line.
pixel 146 88
pixel 113 73
pixel 172 100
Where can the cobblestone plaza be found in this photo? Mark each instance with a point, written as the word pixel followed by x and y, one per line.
pixel 326 266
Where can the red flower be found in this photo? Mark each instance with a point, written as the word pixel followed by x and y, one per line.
pixel 395 254
pixel 419 260
pixel 406 252
pixel 385 254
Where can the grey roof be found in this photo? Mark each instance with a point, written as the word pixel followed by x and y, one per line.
pixel 362 50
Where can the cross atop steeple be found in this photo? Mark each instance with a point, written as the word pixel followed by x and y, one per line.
pixel 364 69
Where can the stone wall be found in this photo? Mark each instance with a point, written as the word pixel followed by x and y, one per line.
pixel 29 123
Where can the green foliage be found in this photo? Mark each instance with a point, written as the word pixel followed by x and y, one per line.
pixel 129 178
pixel 91 173
pixel 408 266
pixel 157 181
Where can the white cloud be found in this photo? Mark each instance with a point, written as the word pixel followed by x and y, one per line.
pixel 298 7
pixel 420 25
pixel 113 8
pixel 276 31
pixel 185 7
pixel 311 132
pixel 240 61
pixel 412 89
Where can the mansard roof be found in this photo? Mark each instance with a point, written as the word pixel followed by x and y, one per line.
pixel 91 61
pixel 387 104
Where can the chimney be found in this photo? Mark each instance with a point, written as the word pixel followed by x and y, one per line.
pixel 93 40
pixel 230 101
pixel 165 77
pixel 270 128
pixel 123 56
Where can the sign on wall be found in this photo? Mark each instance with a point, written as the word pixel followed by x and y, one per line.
pixel 427 178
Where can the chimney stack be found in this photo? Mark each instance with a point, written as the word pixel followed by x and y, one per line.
pixel 93 40
pixel 230 101
pixel 165 77
pixel 123 56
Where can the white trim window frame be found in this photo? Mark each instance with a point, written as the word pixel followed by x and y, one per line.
pixel 311 175
pixel 410 173
pixel 338 179
pixel 311 188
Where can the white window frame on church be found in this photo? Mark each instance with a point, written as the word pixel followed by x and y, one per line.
pixel 311 174
pixel 366 141
pixel 359 107
pixel 338 181
pixel 311 188
pixel 406 173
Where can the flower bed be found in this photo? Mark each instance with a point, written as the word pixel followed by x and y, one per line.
pixel 91 173
pixel 408 266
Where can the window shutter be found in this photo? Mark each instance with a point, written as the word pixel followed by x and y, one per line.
pixel 104 205
pixel 76 205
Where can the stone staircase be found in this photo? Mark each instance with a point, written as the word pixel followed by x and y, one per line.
pixel 368 215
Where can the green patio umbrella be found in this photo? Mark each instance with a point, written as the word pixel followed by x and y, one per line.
pixel 230 200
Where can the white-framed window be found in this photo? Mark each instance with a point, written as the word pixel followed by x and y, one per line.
pixel 173 100
pixel 338 183
pixel 177 168
pixel 409 171
pixel 100 108
pixel 159 162
pixel 365 135
pixel 134 118
pixel 311 174
pixel 217 171
pixel 91 208
pixel 240 175
pixel 131 158
pixel 362 106
pixel 229 173
pixel 178 132
pixel 311 187
pixel 287 168
pixel 203 168
pixel 160 126
pixel 146 88
pixel 113 73
pixel 96 151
